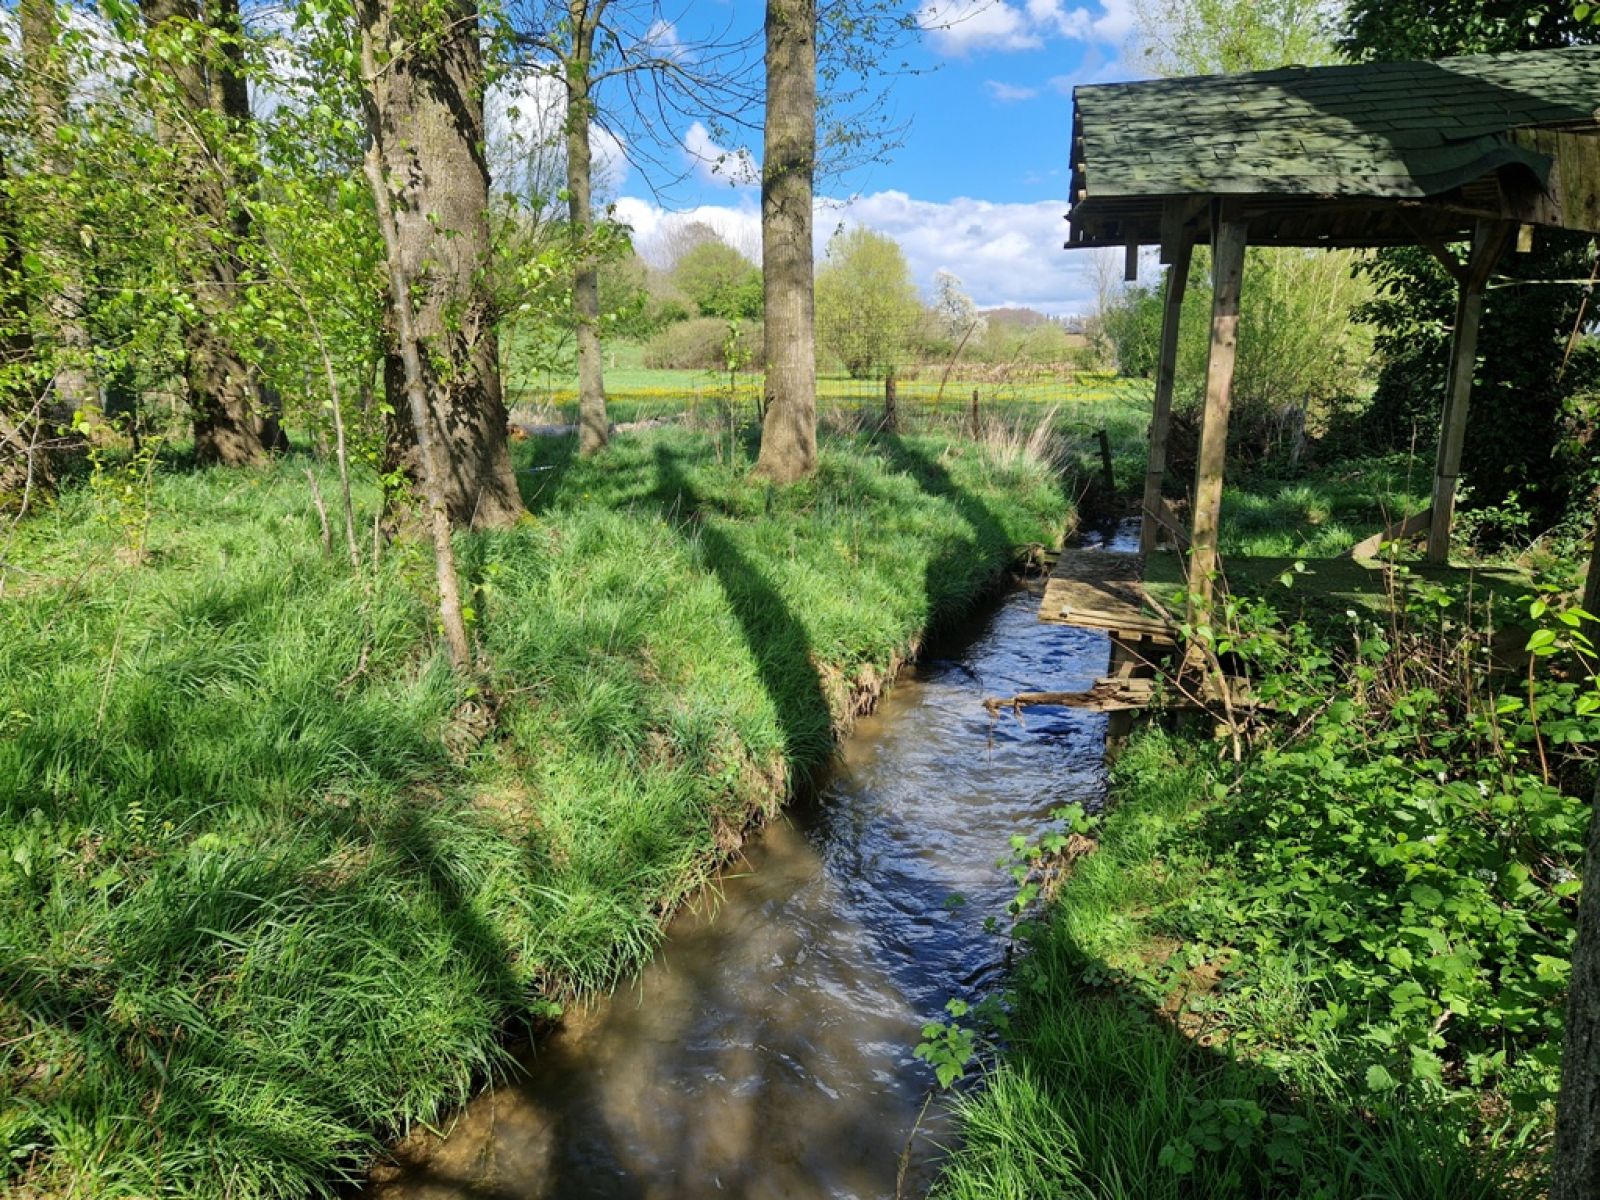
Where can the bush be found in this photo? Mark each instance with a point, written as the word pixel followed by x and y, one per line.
pixel 702 344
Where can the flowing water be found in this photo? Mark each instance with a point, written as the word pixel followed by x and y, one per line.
pixel 767 1051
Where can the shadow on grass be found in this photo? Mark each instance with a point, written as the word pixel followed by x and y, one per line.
pixel 140 1055
pixel 540 467
pixel 774 634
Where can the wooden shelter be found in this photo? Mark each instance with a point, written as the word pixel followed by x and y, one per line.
pixel 1478 150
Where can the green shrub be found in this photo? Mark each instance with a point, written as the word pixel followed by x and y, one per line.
pixel 702 344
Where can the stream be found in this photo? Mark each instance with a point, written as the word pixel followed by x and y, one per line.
pixel 767 1050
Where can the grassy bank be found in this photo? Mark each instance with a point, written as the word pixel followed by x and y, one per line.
pixel 1335 970
pixel 274 885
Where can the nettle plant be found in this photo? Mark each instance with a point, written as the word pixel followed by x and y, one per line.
pixel 1402 833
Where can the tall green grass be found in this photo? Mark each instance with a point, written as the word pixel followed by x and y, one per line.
pixel 274 884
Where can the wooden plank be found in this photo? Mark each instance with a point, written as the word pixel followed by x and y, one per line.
pixel 1101 589
pixel 1166 373
pixel 1228 243
pixel 1488 238
pixel 1410 527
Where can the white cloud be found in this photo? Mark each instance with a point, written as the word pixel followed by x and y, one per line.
pixel 1117 20
pixel 1009 93
pixel 524 116
pixel 663 41
pixel 961 27
pixel 715 164
pixel 739 226
pixel 1005 254
pixel 1054 17
pixel 958 27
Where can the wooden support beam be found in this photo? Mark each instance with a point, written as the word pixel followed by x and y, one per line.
pixel 1488 240
pixel 1447 259
pixel 1181 218
pixel 1130 262
pixel 1161 414
pixel 1227 252
pixel 1591 587
pixel 1416 523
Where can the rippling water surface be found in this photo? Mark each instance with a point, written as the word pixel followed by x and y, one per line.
pixel 767 1051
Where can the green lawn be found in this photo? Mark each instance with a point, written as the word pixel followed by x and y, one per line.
pixel 275 883
pixel 634 391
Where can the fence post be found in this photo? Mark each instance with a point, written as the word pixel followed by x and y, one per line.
pixel 891 420
pixel 1106 471
pixel 974 412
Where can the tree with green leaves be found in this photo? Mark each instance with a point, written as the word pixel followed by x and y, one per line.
pixel 720 281
pixel 63 328
pixel 867 306
pixel 202 120
pixel 1204 37
pixel 622 71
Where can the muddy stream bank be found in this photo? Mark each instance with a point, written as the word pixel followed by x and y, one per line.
pixel 767 1050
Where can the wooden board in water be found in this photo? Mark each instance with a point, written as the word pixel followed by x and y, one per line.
pixel 1100 589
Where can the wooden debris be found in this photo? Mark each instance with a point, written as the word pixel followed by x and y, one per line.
pixel 1101 589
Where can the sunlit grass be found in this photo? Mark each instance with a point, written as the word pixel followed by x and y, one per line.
pixel 274 883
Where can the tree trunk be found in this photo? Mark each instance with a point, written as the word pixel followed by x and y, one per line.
pixel 230 95
pixel 26 466
pixel 427 118
pixel 208 94
pixel 424 422
pixel 1576 1165
pixel 62 312
pixel 789 432
pixel 594 425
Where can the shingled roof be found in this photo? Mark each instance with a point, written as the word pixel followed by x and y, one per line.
pixel 1373 131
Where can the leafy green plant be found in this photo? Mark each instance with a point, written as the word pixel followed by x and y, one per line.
pixel 121 483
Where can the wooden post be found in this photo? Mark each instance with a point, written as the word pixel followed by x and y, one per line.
pixel 1488 238
pixel 891 420
pixel 1227 254
pixel 1591 587
pixel 1108 473
pixel 1161 416
pixel 974 412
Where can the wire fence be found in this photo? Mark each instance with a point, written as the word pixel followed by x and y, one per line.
pixel 917 398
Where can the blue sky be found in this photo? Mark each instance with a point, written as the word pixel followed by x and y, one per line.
pixel 979 187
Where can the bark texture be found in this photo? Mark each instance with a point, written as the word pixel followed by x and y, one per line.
pixel 415 383
pixel 789 430
pixel 26 461
pixel 593 423
pixel 207 92
pixel 63 330
pixel 1576 1166
pixel 427 113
